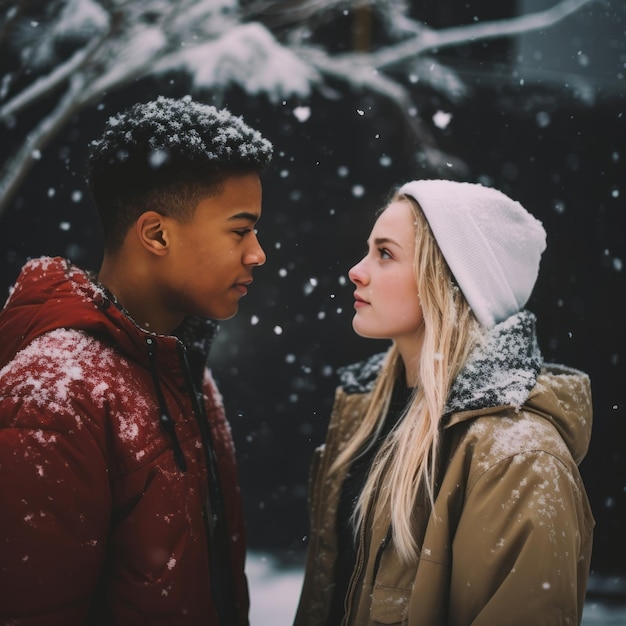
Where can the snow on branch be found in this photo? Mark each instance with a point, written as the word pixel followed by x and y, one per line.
pixel 134 57
pixel 248 56
pixel 429 40
pixel 262 46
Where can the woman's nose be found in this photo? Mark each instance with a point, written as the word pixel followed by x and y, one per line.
pixel 357 273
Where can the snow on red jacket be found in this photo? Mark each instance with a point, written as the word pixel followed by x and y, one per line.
pixel 98 522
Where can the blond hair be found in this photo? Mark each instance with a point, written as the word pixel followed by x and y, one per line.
pixel 406 463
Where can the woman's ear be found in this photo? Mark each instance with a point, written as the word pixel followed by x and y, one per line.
pixel 152 232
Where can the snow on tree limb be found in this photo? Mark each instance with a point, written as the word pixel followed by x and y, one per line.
pixel 429 40
pixel 134 58
pixel 260 46
pixel 248 56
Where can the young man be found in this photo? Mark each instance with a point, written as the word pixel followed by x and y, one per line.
pixel 119 500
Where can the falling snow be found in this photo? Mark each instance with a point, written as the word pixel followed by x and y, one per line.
pixel 562 208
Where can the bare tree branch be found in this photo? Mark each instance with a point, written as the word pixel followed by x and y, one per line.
pixel 372 81
pixel 430 39
pixel 45 131
pixel 121 74
pixel 46 84
pixel 278 14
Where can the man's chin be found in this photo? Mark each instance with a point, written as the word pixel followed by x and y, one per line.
pixel 222 316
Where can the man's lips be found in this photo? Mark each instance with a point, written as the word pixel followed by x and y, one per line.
pixel 242 287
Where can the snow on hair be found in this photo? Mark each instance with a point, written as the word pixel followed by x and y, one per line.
pixel 169 130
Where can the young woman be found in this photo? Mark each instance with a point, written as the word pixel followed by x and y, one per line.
pixel 447 491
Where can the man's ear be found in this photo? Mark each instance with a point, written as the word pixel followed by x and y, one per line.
pixel 151 229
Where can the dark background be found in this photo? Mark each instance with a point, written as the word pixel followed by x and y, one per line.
pixel 555 148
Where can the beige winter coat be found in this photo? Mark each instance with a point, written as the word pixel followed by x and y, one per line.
pixel 509 539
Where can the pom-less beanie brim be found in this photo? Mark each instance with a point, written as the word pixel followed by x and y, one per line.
pixel 491 243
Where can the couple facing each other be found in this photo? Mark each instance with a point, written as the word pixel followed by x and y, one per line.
pixel 447 491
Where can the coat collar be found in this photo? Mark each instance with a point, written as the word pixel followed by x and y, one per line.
pixel 501 370
pixel 53 293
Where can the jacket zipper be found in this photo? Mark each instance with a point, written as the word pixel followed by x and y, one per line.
pixel 358 570
pixel 379 554
pixel 362 558
pixel 166 420
pixel 220 563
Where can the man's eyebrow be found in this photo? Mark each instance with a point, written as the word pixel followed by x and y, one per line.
pixel 249 217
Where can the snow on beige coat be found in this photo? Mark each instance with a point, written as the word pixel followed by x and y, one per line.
pixel 509 539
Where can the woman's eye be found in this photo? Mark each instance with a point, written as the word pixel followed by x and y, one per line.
pixel 242 231
pixel 384 253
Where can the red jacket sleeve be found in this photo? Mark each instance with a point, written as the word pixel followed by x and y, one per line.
pixel 54 494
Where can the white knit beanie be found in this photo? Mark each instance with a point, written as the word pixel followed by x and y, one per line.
pixel 492 244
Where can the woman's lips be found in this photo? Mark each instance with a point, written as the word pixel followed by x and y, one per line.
pixel 359 302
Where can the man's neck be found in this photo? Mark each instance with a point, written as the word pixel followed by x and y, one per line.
pixel 129 282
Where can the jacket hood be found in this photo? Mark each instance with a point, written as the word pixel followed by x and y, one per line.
pixel 53 293
pixel 563 396
pixel 501 370
pixel 506 370
pixel 50 293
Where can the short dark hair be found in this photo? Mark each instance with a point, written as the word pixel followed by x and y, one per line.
pixel 165 155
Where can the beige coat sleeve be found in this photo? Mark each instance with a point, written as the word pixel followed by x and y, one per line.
pixel 522 545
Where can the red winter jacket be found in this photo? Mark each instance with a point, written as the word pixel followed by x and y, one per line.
pixel 104 480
